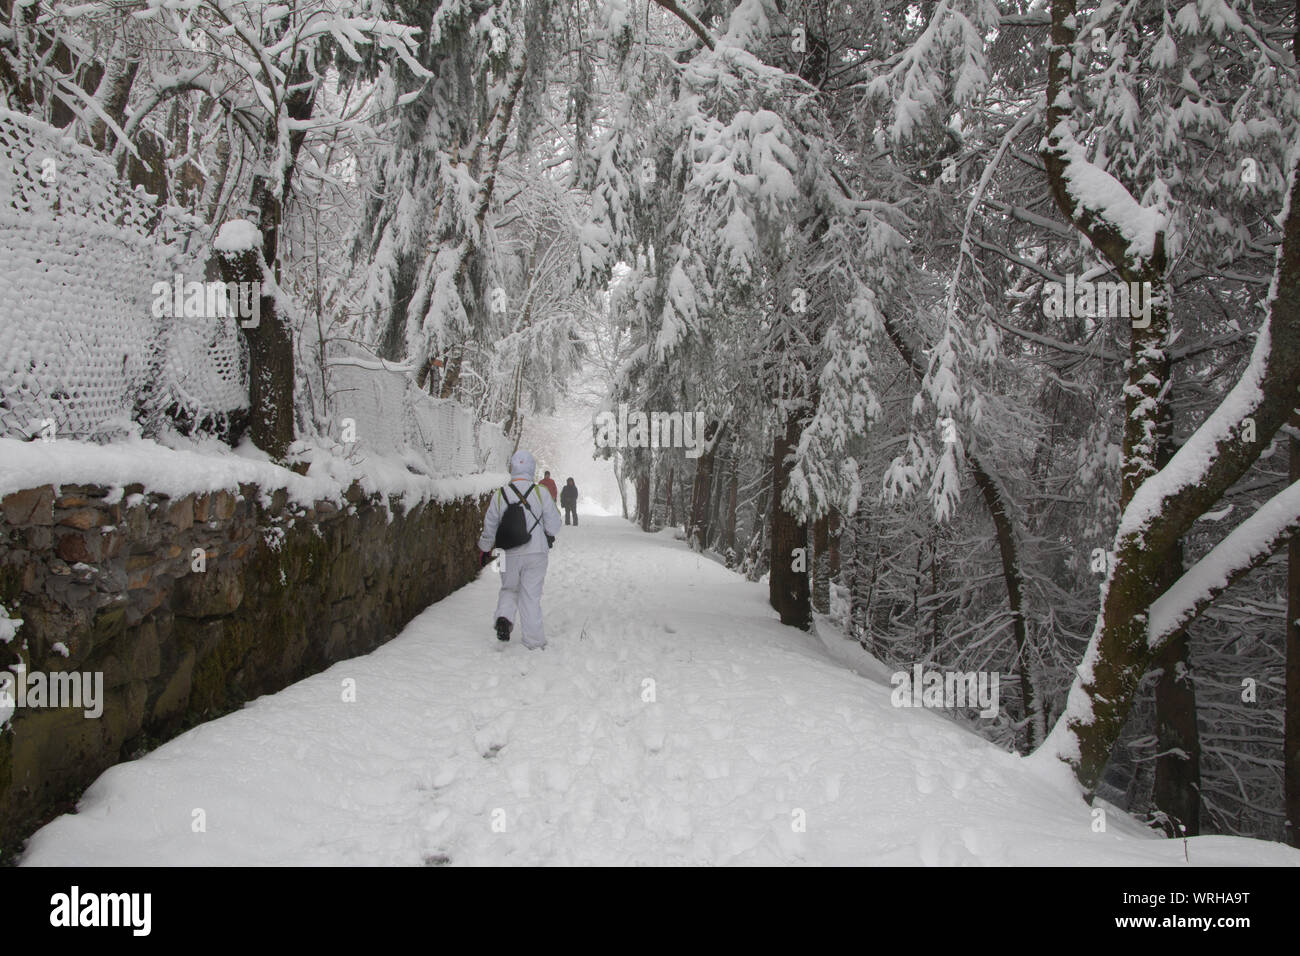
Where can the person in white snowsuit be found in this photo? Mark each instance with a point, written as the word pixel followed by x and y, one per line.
pixel 524 569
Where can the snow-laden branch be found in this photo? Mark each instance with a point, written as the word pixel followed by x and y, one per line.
pixel 1129 234
pixel 964 251
pixel 1087 351
pixel 1099 203
pixel 374 365
pixel 1249 545
pixel 1020 214
pixel 1217 454
pixel 200 80
pixel 81 97
pixel 688 18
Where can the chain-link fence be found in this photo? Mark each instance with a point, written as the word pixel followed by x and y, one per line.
pixel 383 412
pixel 95 278
pixel 83 260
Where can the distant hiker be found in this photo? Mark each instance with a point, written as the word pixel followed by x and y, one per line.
pixel 569 499
pixel 523 523
pixel 548 483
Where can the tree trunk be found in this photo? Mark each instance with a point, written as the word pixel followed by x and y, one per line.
pixel 916 593
pixel 270 343
pixel 643 499
pixel 1291 744
pixel 715 506
pixel 729 544
pixel 833 550
pixel 862 581
pixel 22 90
pixel 513 425
pixel 1035 719
pixel 758 543
pixel 1177 792
pixel 115 102
pixel 821 565
pixel 270 362
pixel 788 589
pixel 698 531
pixel 452 377
pixel 1122 647
pixel 671 507
pixel 618 479
pixel 657 498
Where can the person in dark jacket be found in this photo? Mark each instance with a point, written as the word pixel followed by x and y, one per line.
pixel 569 501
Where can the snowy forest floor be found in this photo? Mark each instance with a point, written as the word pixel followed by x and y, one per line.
pixel 462 750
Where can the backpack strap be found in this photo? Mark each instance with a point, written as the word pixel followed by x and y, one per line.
pixel 523 500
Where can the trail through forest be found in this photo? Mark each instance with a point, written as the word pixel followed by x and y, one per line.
pixel 672 719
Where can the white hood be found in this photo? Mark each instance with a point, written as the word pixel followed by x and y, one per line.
pixel 523 465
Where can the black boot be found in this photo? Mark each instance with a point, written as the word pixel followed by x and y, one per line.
pixel 503 629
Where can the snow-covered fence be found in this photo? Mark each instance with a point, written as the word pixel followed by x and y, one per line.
pixel 378 409
pixel 81 351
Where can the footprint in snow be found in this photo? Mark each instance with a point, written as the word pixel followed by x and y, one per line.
pixel 489 740
pixel 558 776
pixel 652 731
pixel 833 786
pixel 924 780
pixel 521 779
pixel 719 730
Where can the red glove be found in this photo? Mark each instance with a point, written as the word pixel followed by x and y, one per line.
pixel 484 558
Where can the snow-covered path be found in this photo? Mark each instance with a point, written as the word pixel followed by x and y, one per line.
pixel 672 720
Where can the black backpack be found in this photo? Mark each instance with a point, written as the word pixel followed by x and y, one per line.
pixel 513 530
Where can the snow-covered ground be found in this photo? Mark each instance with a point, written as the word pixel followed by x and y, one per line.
pixel 671 720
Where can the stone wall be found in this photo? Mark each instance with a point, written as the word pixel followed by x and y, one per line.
pixel 111 583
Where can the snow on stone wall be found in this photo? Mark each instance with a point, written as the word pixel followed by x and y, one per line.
pixel 81 351
pixel 390 416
